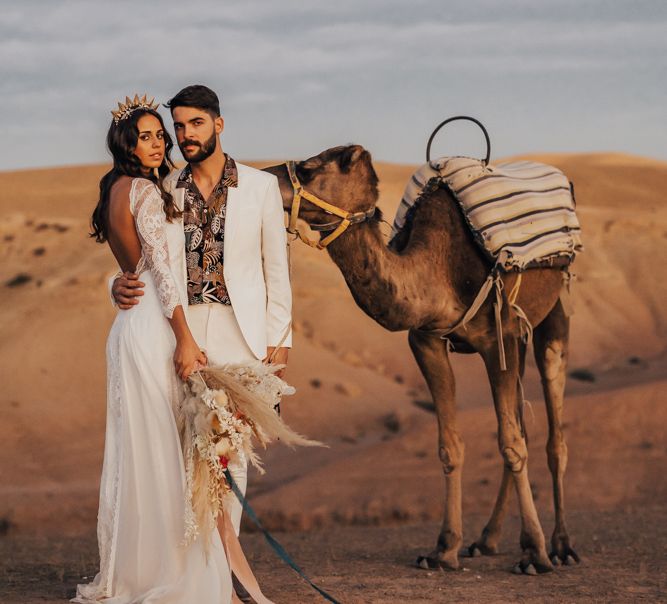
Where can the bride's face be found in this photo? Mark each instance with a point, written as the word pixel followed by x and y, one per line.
pixel 150 147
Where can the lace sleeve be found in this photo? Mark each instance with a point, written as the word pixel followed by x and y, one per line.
pixel 147 207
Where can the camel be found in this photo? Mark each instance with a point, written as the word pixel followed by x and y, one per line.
pixel 426 280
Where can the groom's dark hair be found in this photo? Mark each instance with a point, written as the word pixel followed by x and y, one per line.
pixel 198 96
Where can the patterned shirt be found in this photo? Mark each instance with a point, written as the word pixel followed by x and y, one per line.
pixel 204 226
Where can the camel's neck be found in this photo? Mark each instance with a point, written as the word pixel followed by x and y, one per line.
pixel 399 291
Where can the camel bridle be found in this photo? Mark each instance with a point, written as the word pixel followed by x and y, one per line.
pixel 344 220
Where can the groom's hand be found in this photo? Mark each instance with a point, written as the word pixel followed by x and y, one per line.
pixel 280 358
pixel 126 290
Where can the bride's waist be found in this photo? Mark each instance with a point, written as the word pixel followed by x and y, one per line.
pixel 150 287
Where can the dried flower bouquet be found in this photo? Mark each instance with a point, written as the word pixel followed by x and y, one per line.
pixel 223 409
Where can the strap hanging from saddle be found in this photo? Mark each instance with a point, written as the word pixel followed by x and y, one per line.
pixel 492 282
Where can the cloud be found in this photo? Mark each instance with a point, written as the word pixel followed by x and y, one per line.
pixel 309 69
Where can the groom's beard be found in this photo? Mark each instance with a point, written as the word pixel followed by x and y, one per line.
pixel 205 151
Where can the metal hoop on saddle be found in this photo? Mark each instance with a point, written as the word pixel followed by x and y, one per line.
pixel 453 119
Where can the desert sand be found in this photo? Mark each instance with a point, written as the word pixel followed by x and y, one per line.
pixel 356 514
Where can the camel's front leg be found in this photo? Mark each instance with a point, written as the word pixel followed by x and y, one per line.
pixel 512 443
pixel 432 358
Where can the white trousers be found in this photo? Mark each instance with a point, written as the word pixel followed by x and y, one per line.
pixel 217 332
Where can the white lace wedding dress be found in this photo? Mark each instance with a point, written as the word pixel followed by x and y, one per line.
pixel 141 510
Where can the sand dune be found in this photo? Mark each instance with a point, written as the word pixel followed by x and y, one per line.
pixel 356 382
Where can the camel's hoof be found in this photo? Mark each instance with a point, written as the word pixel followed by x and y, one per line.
pixel 530 568
pixel 566 556
pixel 479 549
pixel 472 551
pixel 429 563
pixel 527 570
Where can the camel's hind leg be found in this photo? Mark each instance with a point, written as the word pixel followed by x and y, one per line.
pixel 551 350
pixel 433 360
pixel 487 544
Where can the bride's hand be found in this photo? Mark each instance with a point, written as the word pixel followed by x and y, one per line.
pixel 188 358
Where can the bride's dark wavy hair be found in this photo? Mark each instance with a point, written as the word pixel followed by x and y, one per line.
pixel 121 142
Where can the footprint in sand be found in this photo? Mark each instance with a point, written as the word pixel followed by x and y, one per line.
pixel 392 423
pixel 20 279
pixel 352 358
pixel 305 328
pixel 583 375
pixel 347 389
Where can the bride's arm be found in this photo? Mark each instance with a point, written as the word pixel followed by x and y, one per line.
pixel 148 209
pixel 187 356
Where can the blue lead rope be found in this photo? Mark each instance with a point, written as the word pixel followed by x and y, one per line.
pixel 279 549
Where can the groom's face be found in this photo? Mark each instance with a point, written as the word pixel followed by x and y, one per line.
pixel 196 132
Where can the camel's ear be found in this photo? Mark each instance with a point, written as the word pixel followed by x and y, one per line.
pixel 349 157
pixel 312 163
pixel 307 169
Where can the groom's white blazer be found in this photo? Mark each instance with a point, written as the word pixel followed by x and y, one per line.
pixel 255 267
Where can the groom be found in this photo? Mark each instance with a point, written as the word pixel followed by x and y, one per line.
pixel 239 296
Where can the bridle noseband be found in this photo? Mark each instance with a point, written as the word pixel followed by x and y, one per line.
pixel 345 218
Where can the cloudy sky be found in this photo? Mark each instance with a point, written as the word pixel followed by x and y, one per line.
pixel 296 77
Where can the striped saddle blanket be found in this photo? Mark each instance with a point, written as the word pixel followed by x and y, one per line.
pixel 521 213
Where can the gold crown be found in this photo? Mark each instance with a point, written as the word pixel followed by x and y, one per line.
pixel 125 109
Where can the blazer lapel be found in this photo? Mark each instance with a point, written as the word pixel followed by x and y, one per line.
pixel 232 217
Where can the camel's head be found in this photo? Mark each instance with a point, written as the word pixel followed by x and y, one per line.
pixel 342 176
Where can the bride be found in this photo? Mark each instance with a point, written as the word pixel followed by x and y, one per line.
pixel 141 508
